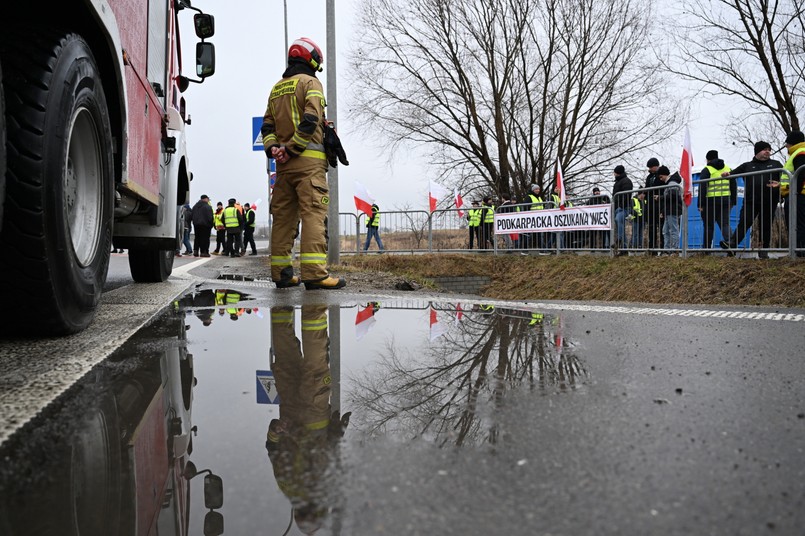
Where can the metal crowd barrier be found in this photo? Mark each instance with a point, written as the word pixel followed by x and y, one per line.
pixel 444 231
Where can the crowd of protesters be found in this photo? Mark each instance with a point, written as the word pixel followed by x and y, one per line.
pixel 234 226
pixel 652 211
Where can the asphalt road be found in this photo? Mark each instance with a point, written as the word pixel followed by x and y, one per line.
pixel 488 418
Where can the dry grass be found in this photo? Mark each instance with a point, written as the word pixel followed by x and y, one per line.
pixel 696 280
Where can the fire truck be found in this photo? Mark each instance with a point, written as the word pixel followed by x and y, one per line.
pixel 92 147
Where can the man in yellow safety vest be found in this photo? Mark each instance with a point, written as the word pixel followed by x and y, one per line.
pixel 716 198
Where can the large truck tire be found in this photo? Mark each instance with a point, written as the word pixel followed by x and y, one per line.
pixel 57 231
pixel 2 149
pixel 150 265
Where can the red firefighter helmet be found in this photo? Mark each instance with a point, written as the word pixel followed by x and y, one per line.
pixel 308 51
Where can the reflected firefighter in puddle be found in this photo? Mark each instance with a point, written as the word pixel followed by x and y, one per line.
pixel 303 444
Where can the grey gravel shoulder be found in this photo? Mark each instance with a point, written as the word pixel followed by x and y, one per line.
pixel 258 268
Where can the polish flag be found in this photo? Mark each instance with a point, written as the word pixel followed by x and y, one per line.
pixel 686 166
pixel 364 321
pixel 459 313
pixel 436 192
pixel 459 203
pixel 560 184
pixel 437 329
pixel 363 199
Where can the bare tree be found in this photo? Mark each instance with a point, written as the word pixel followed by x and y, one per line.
pixel 498 90
pixel 751 51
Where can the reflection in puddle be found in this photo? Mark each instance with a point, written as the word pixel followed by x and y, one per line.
pixel 449 390
pixel 112 455
pixel 273 400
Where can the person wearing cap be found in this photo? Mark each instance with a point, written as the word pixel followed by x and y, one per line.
pixel 201 214
pixel 795 144
pixel 652 216
pixel 233 221
pixel 670 207
pixel 622 200
pixel 474 215
pixel 760 198
pixel 598 237
pixel 220 229
pixel 716 198
pixel 373 229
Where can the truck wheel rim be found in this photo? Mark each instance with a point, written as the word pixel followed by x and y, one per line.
pixel 82 186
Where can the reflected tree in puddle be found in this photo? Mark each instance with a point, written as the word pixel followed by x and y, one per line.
pixel 450 392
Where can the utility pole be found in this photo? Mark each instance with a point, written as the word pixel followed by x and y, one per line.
pixel 285 52
pixel 334 242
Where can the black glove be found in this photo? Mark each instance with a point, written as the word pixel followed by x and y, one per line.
pixel 332 146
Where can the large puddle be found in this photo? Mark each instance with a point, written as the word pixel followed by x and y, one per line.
pixel 226 415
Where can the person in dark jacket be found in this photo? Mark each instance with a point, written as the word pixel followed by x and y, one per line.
pixel 760 198
pixel 622 200
pixel 201 215
pixel 598 237
pixel 716 198
pixel 652 216
pixel 670 207
pixel 249 224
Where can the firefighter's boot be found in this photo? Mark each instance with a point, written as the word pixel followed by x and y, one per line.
pixel 329 283
pixel 287 279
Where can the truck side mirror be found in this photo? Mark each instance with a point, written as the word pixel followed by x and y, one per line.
pixel 205 60
pixel 213 491
pixel 205 25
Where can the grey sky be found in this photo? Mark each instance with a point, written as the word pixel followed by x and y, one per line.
pixel 250 57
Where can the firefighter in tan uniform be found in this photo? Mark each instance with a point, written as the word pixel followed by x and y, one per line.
pixel 303 444
pixel 293 134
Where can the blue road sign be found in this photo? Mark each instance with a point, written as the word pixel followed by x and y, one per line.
pixel 267 388
pixel 257 138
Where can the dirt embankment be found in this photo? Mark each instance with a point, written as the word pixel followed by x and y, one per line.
pixel 696 280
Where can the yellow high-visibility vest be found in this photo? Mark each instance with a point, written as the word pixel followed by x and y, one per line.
pixel 637 206
pixel 489 215
pixel 789 166
pixel 231 218
pixel 721 187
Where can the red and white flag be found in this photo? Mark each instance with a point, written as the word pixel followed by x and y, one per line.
pixel 436 193
pixel 560 184
pixel 686 167
pixel 459 202
pixel 363 199
pixel 364 321
pixel 459 313
pixel 437 328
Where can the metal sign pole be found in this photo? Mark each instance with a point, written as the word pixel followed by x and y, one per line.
pixel 334 238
